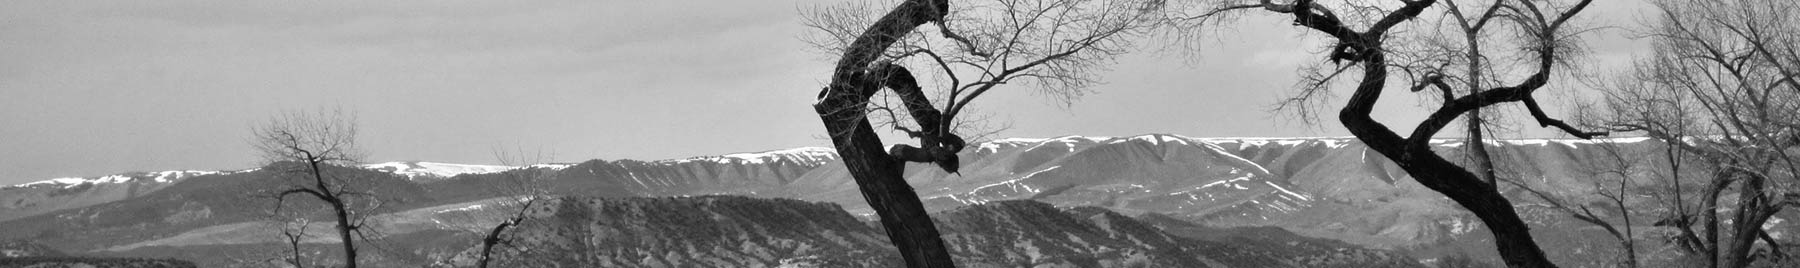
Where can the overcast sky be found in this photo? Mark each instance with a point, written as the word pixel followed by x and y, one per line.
pixel 91 88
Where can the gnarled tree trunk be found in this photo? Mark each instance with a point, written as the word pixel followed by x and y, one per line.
pixel 1413 153
pixel 843 109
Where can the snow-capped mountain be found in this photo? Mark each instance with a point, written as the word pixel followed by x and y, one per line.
pixel 796 155
pixel 34 198
pixel 1322 187
pixel 767 173
pixel 672 177
pixel 409 169
pixel 39 197
pixel 1318 187
pixel 139 177
pixel 434 170
pixel 804 156
pixel 1170 174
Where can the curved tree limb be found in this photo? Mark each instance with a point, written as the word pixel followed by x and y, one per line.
pixel 1513 238
pixel 877 174
pixel 938 144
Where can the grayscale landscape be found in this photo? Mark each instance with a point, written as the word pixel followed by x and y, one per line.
pixel 1103 133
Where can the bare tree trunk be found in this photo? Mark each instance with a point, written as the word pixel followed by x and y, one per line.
pixel 1484 165
pixel 336 199
pixel 842 108
pixel 1626 240
pixel 317 141
pixel 1682 219
pixel 1413 154
pixel 879 178
pixel 1631 256
pixel 493 237
pixel 1711 218
pixel 342 212
pixel 344 229
pixel 1747 225
pixel 294 243
pixel 1511 235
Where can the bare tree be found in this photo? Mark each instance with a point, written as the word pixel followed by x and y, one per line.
pixel 293 230
pixel 1720 85
pixel 303 147
pixel 969 49
pixel 1475 72
pixel 1612 171
pixel 291 224
pixel 1362 37
pixel 521 190
pixel 496 236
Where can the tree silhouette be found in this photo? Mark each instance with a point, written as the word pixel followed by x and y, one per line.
pixel 968 49
pixel 306 145
pixel 1720 86
pixel 1361 42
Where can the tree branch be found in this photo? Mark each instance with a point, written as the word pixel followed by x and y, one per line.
pixel 1546 57
pixel 282 197
pixel 1544 120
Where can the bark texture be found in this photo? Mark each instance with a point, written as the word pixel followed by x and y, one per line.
pixel 843 109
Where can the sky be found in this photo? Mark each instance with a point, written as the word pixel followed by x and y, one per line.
pixel 91 88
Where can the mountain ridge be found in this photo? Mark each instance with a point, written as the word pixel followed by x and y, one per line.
pixel 741 156
pixel 1330 188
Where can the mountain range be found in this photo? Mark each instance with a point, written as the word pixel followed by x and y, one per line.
pixel 1214 194
pixel 731 231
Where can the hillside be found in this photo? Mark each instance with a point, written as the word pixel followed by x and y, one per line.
pixel 1317 188
pixel 725 231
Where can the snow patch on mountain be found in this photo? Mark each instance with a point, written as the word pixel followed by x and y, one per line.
pixel 1290 193
pixel 995 146
pixel 1034 173
pixel 157 177
pixel 65 182
pixel 1155 139
pixel 1069 142
pixel 1570 142
pixel 551 166
pixel 1159 139
pixel 415 169
pixel 813 155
